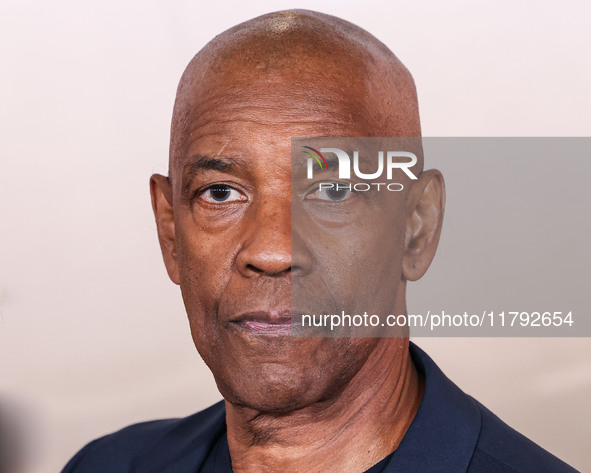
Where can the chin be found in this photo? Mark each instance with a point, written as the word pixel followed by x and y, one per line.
pixel 283 374
pixel 277 391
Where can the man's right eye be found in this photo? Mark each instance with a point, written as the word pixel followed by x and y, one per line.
pixel 221 194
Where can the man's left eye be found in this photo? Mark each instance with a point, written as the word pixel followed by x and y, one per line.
pixel 335 194
pixel 222 193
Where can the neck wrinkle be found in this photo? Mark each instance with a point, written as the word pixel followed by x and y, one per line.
pixel 313 440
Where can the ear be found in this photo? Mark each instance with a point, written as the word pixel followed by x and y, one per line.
pixel 161 193
pixel 424 216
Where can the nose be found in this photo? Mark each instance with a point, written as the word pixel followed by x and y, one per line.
pixel 267 249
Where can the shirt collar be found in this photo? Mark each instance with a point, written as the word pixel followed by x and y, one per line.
pixel 444 432
pixel 184 447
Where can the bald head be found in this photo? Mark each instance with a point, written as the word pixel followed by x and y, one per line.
pixel 305 62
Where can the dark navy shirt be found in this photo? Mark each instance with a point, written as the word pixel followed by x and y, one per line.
pixel 451 433
pixel 218 460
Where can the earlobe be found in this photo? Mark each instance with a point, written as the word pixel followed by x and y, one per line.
pixel 425 208
pixel 161 193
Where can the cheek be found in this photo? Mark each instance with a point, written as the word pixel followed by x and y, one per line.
pixel 205 259
pixel 362 265
pixel 205 266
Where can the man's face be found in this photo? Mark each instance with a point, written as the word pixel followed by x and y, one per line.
pixel 238 254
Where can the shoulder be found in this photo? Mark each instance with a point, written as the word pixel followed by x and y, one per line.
pixel 119 452
pixel 463 435
pixel 501 449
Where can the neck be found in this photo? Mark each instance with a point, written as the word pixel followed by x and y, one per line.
pixel 364 424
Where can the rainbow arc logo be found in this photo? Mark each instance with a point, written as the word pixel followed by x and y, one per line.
pixel 317 155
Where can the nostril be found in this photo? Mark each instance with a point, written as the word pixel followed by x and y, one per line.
pixel 255 269
pixel 252 267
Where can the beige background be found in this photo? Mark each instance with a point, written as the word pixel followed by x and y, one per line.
pixel 93 335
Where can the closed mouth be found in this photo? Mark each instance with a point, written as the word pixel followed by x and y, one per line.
pixel 264 322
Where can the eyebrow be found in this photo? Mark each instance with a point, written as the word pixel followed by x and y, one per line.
pixel 201 163
pixel 332 163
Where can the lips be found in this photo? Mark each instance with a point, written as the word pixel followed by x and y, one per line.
pixel 264 322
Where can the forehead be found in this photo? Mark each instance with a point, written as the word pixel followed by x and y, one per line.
pixel 273 78
pixel 239 107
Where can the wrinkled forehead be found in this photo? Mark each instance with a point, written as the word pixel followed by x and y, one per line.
pixel 294 64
